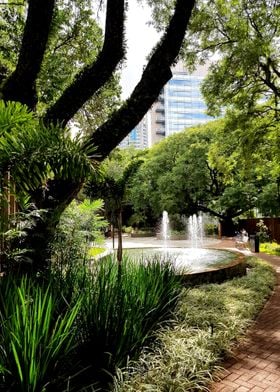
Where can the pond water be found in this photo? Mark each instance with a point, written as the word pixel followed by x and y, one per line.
pixel 185 259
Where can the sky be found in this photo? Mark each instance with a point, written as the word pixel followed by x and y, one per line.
pixel 141 38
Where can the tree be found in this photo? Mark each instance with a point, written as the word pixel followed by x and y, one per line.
pixel 117 171
pixel 245 35
pixel 21 85
pixel 204 170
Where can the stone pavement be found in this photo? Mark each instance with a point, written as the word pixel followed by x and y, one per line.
pixel 255 366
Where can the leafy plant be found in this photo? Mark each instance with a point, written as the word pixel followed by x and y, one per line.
pixel 118 313
pixel 271 248
pixel 210 318
pixel 81 227
pixel 12 253
pixel 34 338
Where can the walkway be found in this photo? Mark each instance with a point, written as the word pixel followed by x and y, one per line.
pixel 256 364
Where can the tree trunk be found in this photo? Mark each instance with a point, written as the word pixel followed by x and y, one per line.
pixel 119 221
pixel 113 235
pixel 227 227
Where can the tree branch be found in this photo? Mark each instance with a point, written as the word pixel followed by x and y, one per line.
pixel 220 215
pixel 155 76
pixel 210 211
pixel 268 77
pixel 21 85
pixel 94 76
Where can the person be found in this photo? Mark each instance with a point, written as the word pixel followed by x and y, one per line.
pixel 244 236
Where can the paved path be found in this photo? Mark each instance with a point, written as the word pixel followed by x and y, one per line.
pixel 256 364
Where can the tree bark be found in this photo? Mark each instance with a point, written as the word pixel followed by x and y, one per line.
pixel 21 85
pixel 93 77
pixel 228 227
pixel 120 247
pixel 155 76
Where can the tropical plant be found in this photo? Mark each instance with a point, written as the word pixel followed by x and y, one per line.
pixel 47 29
pixel 80 228
pixel 35 339
pixel 37 157
pixel 119 314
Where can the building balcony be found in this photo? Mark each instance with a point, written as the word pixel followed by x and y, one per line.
pixel 160 120
pixel 159 110
pixel 160 132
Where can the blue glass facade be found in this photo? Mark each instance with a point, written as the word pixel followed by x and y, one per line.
pixel 183 103
pixel 138 137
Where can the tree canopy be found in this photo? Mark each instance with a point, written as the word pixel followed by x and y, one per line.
pixel 205 169
pixel 55 59
pixel 243 36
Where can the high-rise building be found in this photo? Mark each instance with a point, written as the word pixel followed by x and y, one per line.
pixel 179 105
pixel 138 137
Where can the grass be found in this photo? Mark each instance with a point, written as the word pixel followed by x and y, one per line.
pixel 120 312
pixel 33 336
pixel 209 320
pixel 72 333
pixel 272 248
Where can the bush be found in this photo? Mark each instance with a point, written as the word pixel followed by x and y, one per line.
pixel 81 226
pixel 271 248
pixel 210 319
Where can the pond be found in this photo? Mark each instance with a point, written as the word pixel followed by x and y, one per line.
pixel 185 259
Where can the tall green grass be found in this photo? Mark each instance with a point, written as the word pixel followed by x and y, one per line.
pixel 34 338
pixel 119 312
pixel 74 332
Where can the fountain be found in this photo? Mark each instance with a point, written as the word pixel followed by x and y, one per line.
pixel 165 229
pixel 195 231
pixel 188 261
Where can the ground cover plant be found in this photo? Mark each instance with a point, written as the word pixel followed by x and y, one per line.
pixel 272 248
pixel 209 321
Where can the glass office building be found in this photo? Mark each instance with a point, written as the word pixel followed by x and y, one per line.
pixel 180 104
pixel 138 137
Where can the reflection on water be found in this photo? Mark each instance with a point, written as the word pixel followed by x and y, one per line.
pixel 188 260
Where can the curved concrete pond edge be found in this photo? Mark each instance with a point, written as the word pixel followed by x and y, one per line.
pixel 219 274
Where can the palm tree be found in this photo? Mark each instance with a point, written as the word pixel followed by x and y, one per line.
pixel 112 187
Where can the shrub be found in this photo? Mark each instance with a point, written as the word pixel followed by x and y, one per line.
pixel 210 319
